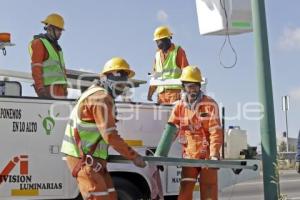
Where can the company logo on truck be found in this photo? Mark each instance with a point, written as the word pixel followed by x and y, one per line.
pixel 23 165
pixel 48 122
pixel 24 179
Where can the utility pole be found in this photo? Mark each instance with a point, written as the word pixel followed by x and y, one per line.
pixel 267 122
pixel 285 108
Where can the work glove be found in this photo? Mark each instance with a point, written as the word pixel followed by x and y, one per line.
pixel 298 167
pixel 214 158
pixel 139 161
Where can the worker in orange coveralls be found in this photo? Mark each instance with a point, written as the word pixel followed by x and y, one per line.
pixel 197 118
pixel 170 59
pixel 92 128
pixel 47 62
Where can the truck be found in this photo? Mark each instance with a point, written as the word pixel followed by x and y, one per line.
pixel 32 130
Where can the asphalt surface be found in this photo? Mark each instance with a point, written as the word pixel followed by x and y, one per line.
pixel 289 186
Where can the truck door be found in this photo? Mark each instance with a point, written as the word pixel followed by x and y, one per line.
pixel 31 135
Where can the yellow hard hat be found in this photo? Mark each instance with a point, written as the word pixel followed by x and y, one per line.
pixel 162 32
pixel 191 74
pixel 116 64
pixel 55 20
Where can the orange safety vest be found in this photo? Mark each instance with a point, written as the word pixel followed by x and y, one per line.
pixel 194 125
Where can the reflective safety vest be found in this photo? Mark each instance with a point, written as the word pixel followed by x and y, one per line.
pixel 54 67
pixel 168 69
pixel 88 132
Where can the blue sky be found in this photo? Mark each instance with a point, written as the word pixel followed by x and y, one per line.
pixel 99 30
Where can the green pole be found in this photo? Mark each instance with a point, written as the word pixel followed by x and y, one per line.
pixel 166 141
pixel 267 122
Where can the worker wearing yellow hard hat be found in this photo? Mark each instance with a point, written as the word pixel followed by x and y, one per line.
pixel 47 61
pixel 162 32
pixel 196 117
pixel 55 20
pixel 170 59
pixel 92 128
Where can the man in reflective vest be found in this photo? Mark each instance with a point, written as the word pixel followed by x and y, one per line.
pixel 170 59
pixel 92 128
pixel 47 62
pixel 197 118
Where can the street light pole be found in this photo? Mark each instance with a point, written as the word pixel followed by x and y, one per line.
pixel 267 123
pixel 285 108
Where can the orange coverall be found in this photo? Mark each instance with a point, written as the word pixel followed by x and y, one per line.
pixel 201 137
pixel 39 55
pixel 99 107
pixel 170 96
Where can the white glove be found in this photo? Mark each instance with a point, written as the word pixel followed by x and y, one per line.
pixel 214 158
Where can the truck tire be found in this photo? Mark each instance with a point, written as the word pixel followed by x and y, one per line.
pixel 126 190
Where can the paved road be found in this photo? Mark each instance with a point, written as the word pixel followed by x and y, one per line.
pixel 289 185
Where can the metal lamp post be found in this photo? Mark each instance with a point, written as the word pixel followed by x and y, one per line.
pixel 267 123
pixel 285 108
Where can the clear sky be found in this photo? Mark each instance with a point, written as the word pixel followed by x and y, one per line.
pixel 99 30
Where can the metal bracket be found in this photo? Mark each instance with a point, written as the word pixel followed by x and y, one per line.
pixel 5 44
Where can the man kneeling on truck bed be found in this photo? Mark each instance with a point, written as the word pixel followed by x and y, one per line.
pixel 92 128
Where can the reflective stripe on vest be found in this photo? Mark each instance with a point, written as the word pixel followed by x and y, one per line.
pixel 168 68
pixel 88 132
pixel 54 67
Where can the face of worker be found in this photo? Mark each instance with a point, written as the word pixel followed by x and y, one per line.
pixel 164 44
pixel 192 90
pixel 54 32
pixel 119 82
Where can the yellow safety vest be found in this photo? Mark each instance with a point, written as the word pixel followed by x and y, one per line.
pixel 88 132
pixel 168 69
pixel 54 67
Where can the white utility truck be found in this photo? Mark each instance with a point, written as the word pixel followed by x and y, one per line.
pixel 32 129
